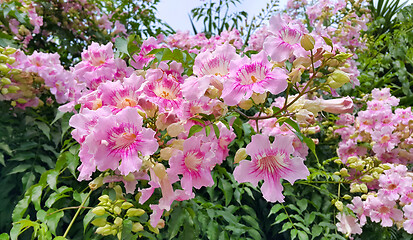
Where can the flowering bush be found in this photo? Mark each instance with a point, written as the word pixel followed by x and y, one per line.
pixel 176 133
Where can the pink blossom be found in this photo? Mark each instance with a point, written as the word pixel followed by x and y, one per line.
pixel 348 224
pixel 385 140
pixel 255 75
pixel 271 162
pixel 383 210
pixel 165 93
pixel 339 105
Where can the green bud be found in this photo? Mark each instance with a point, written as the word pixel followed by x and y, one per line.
pixel 343 56
pixel 118 221
pixel 338 161
pixel 104 198
pixel 126 205
pixel 15 71
pixel 3 68
pixel 135 212
pixel 99 211
pixel 11 60
pixel 13 89
pixel 347 197
pixel 5 81
pixel 307 42
pixel 337 79
pixel 385 167
pixel 339 205
pixel 96 183
pixel 344 172
pixel 3 58
pixel 363 188
pixel 21 100
pixel 352 159
pixel 13 103
pixel 4 91
pixel 367 178
pixel 117 210
pixel 9 51
pixel 99 222
pixel 106 230
pixel 137 227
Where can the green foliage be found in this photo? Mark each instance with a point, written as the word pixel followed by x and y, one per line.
pixel 388 62
pixel 383 13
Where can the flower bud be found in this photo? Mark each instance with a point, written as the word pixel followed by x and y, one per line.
pixel 137 227
pixel 339 205
pixel 99 211
pixel 352 159
pixel 3 57
pixel 99 222
pixel 96 183
pixel 175 129
pixel 104 198
pixel 246 104
pixel 117 210
pixel 307 42
pixel 3 68
pixel 118 221
pixel 367 178
pixel 5 81
pixel 337 79
pixel 11 60
pixel 4 91
pixel 10 51
pixel 159 170
pixel 240 155
pixel 135 212
pixel 344 172
pixel 259 98
pixel 126 205
pixel 355 188
pixel 14 89
pixel 363 188
pixel 347 197
pixel 166 153
pixel 106 230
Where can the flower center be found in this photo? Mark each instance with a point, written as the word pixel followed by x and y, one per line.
pixel 217 66
pixel 384 210
pixel 124 140
pixel 392 186
pixel 192 161
pixel 272 163
pixel 251 73
pixel 290 36
pixel 384 139
pixel 127 102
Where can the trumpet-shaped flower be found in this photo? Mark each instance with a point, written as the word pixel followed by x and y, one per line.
pixel 121 137
pixel 271 162
pixel 255 75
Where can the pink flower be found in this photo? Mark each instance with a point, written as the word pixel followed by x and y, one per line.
pixel 383 210
pixel 286 40
pixel 165 93
pixel 408 214
pixel 271 162
pixel 121 137
pixel 339 105
pixel 385 140
pixel 255 75
pixel 193 163
pixel 348 224
pixel 358 208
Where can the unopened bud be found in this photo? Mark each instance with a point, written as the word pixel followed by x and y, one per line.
pixel 337 79
pixel 347 197
pixel 126 205
pixel 137 227
pixel 344 172
pixel 246 104
pixel 104 198
pixel 355 188
pixel 339 205
pixel 307 42
pixel 14 89
pixel 159 170
pixel 352 159
pixel 166 153
pixel 4 91
pixel 99 222
pixel 259 98
pixel 240 155
pixel 5 81
pixel 385 166
pixel 3 68
pixel 106 230
pixel 175 129
pixel 367 178
pixel 118 221
pixel 135 212
pixel 99 211
pixel 96 183
pixel 363 188
pixel 9 51
pixel 11 60
pixel 117 210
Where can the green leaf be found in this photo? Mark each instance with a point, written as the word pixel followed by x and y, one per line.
pixel 228 191
pixel 51 179
pixel 4 236
pixel 127 230
pixel 216 130
pixel 54 197
pixel 59 115
pixel 207 130
pixel 20 208
pixel 52 220
pixel 275 209
pixel 36 194
pixel 302 235
pixel 80 197
pixel 255 234
pixel 121 45
pixel 316 230
pixel 19 169
pixel 44 128
pixel 286 226
pixel 281 217
pixel 2 161
pixel 194 129
pixel 253 222
pixel 213 230
pixel 6 148
pixel 302 204
pixel 177 217
pixel 87 219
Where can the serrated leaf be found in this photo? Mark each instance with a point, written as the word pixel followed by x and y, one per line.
pixel 194 129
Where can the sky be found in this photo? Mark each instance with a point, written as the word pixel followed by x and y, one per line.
pixel 175 12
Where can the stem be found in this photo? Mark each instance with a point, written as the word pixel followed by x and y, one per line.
pixel 288 216
pixel 67 208
pixel 77 213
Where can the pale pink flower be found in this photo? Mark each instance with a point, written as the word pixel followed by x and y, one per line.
pixel 339 105
pixel 358 208
pixel 383 210
pixel 271 163
pixel 121 137
pixel 408 214
pixel 193 163
pixel 165 93
pixel 348 224
pixel 255 75
pixel 385 140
